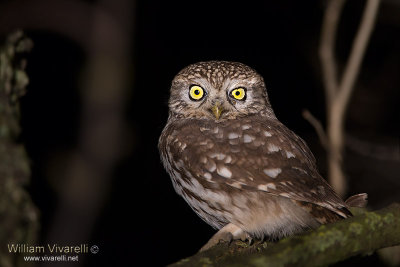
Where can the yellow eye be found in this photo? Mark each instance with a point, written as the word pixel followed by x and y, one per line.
pixel 238 93
pixel 196 93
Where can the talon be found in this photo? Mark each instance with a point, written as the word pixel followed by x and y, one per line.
pixel 251 241
pixel 244 237
pixel 216 239
pixel 227 233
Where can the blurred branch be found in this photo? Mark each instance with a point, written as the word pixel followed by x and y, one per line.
pixel 338 93
pixel 56 16
pixel 103 29
pixel 326 245
pixel 352 68
pixel 317 126
pixel 327 47
pixel 18 215
pixel 376 151
pixel 105 80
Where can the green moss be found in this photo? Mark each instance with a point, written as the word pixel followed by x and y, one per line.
pixel 373 220
pixel 261 261
pixel 359 235
pixel 389 218
pixel 206 262
pixel 327 239
pixel 242 244
pixel 356 228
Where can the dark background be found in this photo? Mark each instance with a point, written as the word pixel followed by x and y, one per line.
pixel 141 220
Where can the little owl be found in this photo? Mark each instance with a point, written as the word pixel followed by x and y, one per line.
pixel 237 166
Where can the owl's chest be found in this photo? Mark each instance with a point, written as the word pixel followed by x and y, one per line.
pixel 198 149
pixel 202 137
pixel 198 155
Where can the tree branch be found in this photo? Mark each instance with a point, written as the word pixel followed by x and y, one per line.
pixel 357 52
pixel 338 94
pixel 328 244
pixel 318 128
pixel 327 48
pixel 19 223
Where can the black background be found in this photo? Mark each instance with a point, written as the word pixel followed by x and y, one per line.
pixel 143 221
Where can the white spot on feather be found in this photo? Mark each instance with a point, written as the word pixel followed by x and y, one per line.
pixel 225 172
pixel 263 187
pixel 247 138
pixel 273 148
pixel 273 173
pixel 233 135
pixel 289 154
pixel 266 187
pixel 228 159
pixel 220 156
pixel 211 166
pixel 207 175
pixel 267 134
pixel 245 127
pixel 236 184
pixel 212 155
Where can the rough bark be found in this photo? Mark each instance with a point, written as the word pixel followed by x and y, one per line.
pixel 326 245
pixel 18 215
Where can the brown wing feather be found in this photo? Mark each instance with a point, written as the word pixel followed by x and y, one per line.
pixel 240 154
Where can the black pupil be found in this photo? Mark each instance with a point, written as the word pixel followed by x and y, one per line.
pixel 197 92
pixel 237 93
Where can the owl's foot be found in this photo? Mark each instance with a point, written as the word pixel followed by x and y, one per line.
pixel 228 233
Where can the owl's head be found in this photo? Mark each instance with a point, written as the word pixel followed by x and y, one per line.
pixel 218 90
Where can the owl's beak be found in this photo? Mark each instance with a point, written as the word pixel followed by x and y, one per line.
pixel 217 110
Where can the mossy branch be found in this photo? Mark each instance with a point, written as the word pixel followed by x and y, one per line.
pixel 326 245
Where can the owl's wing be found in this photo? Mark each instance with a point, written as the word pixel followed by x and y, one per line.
pixel 256 156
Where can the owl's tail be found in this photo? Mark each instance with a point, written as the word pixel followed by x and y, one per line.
pixel 359 200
